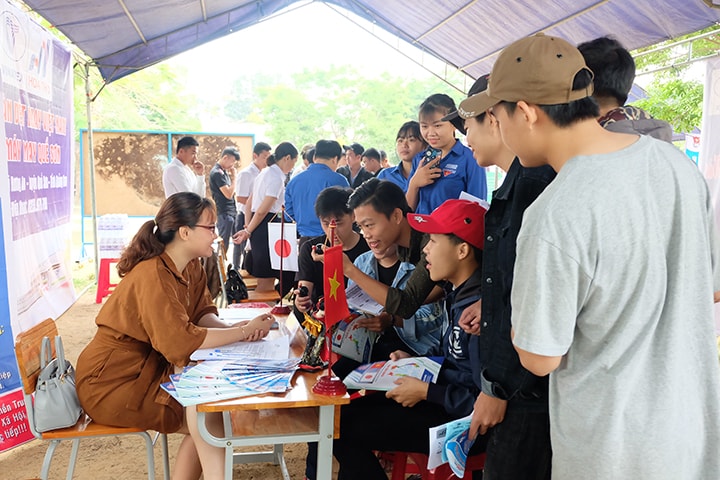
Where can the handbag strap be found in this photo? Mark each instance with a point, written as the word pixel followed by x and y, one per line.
pixel 45 352
pixel 60 354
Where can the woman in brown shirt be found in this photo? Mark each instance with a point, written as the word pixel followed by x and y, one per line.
pixel 157 316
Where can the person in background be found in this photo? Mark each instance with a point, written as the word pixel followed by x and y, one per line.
pixel 221 188
pixel 450 169
pixel 384 159
pixel 306 158
pixel 266 203
pixel 185 173
pixel 157 316
pixel 354 171
pixel 371 161
pixel 602 312
pixel 302 191
pixel 408 144
pixel 243 189
pixel 613 75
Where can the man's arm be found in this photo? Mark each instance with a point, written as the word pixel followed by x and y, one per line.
pixel 539 365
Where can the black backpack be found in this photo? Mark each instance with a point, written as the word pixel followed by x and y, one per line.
pixel 235 288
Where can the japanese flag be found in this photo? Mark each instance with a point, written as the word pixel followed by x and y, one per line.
pixel 283 245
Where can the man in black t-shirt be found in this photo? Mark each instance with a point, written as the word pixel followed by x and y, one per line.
pixel 331 204
pixel 222 190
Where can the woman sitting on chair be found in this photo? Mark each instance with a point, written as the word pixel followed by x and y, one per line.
pixel 157 316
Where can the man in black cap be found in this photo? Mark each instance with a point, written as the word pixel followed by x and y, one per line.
pixel 222 189
pixel 354 171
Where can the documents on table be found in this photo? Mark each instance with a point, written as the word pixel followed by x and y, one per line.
pixel 357 299
pixel 382 375
pixel 276 349
pixel 450 443
pixel 213 381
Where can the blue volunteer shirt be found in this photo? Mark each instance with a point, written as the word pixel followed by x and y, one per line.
pixel 394 175
pixel 301 193
pixel 460 173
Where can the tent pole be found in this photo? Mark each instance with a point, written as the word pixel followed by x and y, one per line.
pixel 91 168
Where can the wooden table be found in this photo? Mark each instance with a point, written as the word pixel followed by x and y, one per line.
pixel 296 416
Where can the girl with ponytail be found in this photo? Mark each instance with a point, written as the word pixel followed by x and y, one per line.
pixel 157 316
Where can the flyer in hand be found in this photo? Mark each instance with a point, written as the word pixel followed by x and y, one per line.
pixel 450 443
pixel 382 375
pixel 353 341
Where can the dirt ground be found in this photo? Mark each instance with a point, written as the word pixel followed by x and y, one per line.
pixel 114 458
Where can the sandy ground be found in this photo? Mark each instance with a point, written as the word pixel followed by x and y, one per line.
pixel 115 458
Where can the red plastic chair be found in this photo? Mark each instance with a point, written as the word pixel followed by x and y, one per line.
pixel 418 465
pixel 104 287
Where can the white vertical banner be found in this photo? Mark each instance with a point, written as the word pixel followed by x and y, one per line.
pixel 282 242
pixel 36 184
pixel 709 162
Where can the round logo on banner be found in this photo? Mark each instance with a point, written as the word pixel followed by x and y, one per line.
pixel 282 248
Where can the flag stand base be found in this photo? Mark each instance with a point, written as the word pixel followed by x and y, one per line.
pixel 280 310
pixel 329 385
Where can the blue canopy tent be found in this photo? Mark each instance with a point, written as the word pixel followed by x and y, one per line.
pixel 123 36
pixel 120 37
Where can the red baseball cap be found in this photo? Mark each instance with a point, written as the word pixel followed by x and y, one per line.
pixel 464 218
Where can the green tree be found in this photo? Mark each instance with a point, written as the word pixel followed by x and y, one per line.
pixel 671 97
pixel 151 99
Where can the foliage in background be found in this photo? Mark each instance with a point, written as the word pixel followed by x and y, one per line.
pixel 671 96
pixel 337 103
pixel 151 99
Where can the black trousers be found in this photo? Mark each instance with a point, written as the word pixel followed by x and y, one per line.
pixel 375 422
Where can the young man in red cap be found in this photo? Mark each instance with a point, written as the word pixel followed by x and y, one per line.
pixel 454 255
pixel 617 262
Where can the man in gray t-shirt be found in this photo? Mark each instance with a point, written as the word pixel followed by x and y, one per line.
pixel 617 263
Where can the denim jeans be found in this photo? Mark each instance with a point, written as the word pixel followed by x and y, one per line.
pixel 519 447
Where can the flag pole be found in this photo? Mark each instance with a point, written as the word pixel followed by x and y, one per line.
pixel 281 309
pixel 329 384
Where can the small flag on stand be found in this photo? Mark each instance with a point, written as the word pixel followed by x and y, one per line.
pixel 336 307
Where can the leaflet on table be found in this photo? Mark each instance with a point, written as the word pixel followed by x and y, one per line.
pixel 276 348
pixel 353 341
pixel 450 443
pixel 382 375
pixel 358 300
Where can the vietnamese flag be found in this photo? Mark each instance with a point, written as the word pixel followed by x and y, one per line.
pixel 336 307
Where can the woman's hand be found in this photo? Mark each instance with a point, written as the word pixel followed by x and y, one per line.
pixel 241 236
pixel 409 391
pixel 257 328
pixel 426 174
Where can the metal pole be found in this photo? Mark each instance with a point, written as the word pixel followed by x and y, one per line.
pixel 91 168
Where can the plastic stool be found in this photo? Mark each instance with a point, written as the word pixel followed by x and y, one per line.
pixel 104 287
pixel 418 463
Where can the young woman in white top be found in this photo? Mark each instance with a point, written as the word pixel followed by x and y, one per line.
pixel 265 202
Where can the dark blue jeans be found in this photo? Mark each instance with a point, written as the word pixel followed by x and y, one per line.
pixel 238 248
pixel 519 447
pixel 225 223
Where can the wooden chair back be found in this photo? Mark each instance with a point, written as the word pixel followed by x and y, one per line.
pixel 27 350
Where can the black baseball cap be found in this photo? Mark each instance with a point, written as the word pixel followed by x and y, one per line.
pixel 480 85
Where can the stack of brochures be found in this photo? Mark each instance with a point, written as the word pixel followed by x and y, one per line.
pixel 217 380
pixel 382 375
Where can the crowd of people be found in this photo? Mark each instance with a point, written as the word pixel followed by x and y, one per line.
pixel 575 314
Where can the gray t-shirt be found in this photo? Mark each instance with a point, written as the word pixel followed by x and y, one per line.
pixel 617 262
